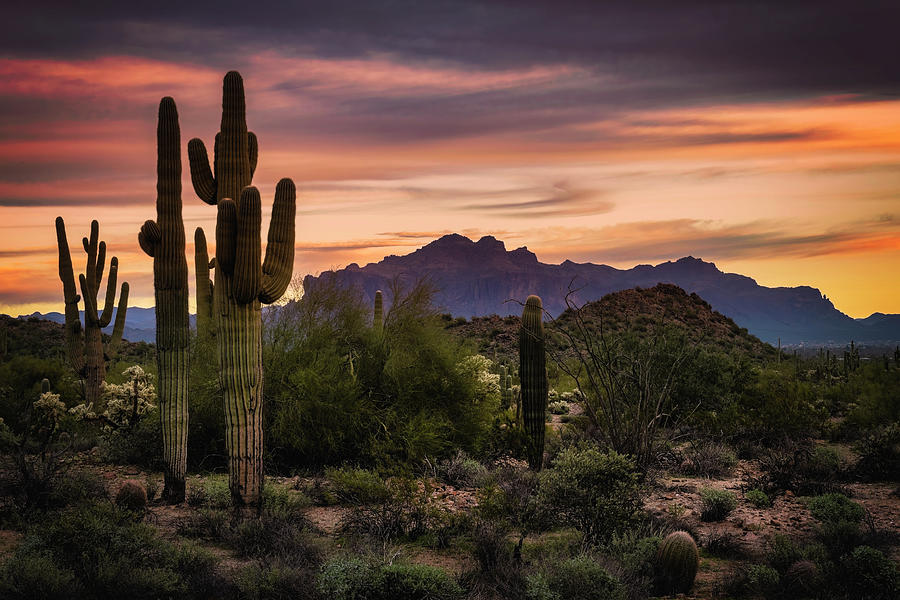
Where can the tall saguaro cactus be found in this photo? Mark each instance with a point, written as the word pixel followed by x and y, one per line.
pixel 533 379
pixel 163 240
pixel 378 317
pixel 84 345
pixel 205 285
pixel 242 281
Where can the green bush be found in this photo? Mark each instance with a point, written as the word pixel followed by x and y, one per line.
pixel 758 498
pixel 416 582
pixel 834 508
pixel 840 522
pixel 108 554
pixel 356 579
pixel 716 504
pixel 358 486
pixel 343 393
pixel 879 454
pixel 579 578
pixel 35 575
pixel 709 460
pixel 274 580
pixel 763 580
pixel 210 492
pixel 461 470
pixel 595 492
pixel 868 573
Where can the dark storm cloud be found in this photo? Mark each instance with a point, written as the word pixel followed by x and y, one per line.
pixel 757 48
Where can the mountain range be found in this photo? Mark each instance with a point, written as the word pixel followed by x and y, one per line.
pixel 478 278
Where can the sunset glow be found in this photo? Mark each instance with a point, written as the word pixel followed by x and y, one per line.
pixel 390 149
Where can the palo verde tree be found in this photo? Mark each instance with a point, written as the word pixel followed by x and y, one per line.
pixel 84 344
pixel 163 240
pixel 242 280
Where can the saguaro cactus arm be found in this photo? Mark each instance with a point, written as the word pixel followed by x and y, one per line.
pixel 279 263
pixel 236 149
pixel 202 266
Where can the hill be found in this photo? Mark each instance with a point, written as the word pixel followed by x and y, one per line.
pixel 478 279
pixel 46 339
pixel 637 310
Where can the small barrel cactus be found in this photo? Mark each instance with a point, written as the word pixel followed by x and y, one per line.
pixel 678 560
pixel 132 496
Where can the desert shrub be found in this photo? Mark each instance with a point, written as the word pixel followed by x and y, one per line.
pixel 868 573
pixel 210 523
pixel 342 578
pixel 762 580
pixel 108 554
pixel 210 492
pixel 724 544
pixel 275 581
pixel 416 582
pixel 461 470
pixel 269 536
pixel 354 578
pixel 132 496
pixel 709 460
pixel 579 578
pixel 780 465
pixel 716 504
pixel 595 492
pixel 76 487
pixel 783 552
pixel 777 404
pixel 833 508
pixel 824 464
pixel 281 501
pixel 758 498
pixel 879 454
pixel 512 499
pixel 802 579
pixel 635 552
pixel 341 392
pixel 840 520
pixel 36 576
pixel 405 512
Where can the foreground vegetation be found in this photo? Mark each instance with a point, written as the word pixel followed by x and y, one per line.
pixel 397 470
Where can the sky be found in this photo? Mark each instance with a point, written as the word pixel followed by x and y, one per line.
pixel 762 136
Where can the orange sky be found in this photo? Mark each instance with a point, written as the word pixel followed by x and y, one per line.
pixel 797 191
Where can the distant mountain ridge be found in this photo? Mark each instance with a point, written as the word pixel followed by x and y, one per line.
pixel 476 278
pixel 140 322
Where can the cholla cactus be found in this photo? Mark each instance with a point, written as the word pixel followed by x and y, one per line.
pixel 84 345
pixel 124 405
pixel 487 384
pixel 242 280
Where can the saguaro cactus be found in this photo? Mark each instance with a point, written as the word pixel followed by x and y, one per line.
pixel 84 345
pixel 533 379
pixel 202 265
pixel 241 282
pixel 378 318
pixel 163 240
